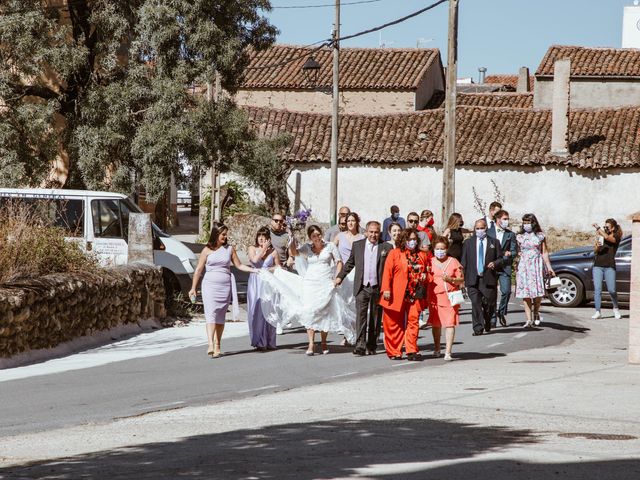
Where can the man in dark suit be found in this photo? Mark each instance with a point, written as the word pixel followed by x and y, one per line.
pixel 367 257
pixel 481 255
pixel 507 239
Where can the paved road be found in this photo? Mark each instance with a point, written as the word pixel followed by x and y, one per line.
pixel 188 377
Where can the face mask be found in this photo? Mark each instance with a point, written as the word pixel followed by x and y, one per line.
pixel 440 254
pixel 423 223
pixel 481 233
pixel 504 223
pixel 527 227
pixel 411 244
pixel 430 222
pixel 395 216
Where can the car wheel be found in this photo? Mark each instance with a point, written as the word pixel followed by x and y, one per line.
pixel 570 294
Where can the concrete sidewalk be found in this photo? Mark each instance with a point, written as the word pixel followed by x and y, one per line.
pixel 570 411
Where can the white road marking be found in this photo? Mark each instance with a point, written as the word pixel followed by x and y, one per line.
pixel 520 335
pixel 404 364
pixel 494 345
pixel 267 387
pixel 344 374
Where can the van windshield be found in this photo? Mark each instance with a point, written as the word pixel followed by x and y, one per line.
pixel 64 213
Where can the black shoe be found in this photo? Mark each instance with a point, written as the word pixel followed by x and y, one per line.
pixel 414 357
pixel 397 357
pixel 477 334
pixel 494 325
pixel 359 353
pixel 487 327
pixel 370 352
pixel 503 320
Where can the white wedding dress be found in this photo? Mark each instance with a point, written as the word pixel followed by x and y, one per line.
pixel 309 298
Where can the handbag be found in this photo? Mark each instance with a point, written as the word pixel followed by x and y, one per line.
pixel 551 283
pixel 455 296
pixel 421 292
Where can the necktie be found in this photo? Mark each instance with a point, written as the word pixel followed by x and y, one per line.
pixel 481 258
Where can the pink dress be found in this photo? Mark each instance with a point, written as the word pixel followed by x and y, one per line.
pixel 441 313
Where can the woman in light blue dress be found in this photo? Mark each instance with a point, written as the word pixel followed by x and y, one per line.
pixel 262 255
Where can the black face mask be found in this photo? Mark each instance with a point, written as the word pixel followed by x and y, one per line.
pixel 606 230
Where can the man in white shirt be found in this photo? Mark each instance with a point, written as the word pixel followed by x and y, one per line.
pixel 481 255
pixel 494 208
pixel 509 245
pixel 367 257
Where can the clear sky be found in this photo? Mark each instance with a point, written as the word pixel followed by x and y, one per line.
pixel 501 35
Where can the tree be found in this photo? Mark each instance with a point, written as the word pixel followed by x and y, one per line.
pixel 106 89
pixel 266 168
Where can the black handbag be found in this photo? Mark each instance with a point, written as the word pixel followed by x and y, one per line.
pixel 421 292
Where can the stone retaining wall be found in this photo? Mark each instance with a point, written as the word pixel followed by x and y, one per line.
pixel 43 313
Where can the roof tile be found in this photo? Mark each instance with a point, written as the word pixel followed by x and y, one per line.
pixel 593 62
pixel 360 68
pixel 598 139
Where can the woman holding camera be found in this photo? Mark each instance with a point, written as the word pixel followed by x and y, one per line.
pixel 604 266
pixel 404 295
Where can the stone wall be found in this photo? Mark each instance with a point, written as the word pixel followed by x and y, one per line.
pixel 45 312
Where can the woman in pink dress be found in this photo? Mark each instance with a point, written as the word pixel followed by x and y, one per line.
pixel 445 276
pixel 533 254
pixel 218 284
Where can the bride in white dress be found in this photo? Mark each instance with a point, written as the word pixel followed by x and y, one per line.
pixel 310 298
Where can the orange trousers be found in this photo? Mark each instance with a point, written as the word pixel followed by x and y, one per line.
pixel 401 328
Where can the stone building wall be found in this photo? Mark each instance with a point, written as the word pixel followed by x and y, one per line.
pixel 45 312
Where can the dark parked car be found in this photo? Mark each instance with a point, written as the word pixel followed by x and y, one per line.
pixel 574 266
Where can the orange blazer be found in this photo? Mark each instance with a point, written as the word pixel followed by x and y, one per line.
pixel 395 278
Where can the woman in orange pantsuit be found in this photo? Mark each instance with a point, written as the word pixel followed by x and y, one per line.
pixel 404 295
pixel 445 276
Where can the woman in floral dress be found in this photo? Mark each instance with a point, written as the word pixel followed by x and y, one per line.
pixel 530 274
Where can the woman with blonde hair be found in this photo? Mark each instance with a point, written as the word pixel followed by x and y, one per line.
pixel 455 234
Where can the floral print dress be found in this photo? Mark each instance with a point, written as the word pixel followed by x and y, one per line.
pixel 530 274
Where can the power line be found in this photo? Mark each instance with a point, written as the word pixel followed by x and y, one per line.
pixel 321 5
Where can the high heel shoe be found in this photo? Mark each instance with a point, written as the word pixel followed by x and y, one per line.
pixel 325 349
pixel 216 351
pixel 528 324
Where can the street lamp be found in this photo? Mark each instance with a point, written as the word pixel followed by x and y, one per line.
pixel 311 70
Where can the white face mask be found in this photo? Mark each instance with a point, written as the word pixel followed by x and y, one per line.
pixel 481 233
pixel 440 254
pixel 527 227
pixel 504 224
pixel 411 244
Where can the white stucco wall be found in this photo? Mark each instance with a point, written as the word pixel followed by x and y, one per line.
pixel 591 93
pixel 562 198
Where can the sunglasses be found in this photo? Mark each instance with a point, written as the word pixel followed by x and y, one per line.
pixel 412 221
pixel 278 220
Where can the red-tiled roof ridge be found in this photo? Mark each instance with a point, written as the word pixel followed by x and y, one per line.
pixel 592 61
pixel 360 68
pixel 489 100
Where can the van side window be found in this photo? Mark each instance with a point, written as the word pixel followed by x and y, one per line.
pixel 106 218
pixel 67 214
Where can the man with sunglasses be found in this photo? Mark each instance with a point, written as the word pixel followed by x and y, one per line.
pixel 279 237
pixel 332 232
pixel 413 221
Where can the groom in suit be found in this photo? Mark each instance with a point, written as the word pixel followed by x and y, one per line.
pixel 481 256
pixel 367 257
pixel 507 239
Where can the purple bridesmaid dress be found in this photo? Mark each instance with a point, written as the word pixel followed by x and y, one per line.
pixel 262 333
pixel 216 285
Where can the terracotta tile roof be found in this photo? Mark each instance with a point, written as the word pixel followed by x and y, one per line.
pixel 508 80
pixel 486 136
pixel 593 62
pixel 497 100
pixel 360 68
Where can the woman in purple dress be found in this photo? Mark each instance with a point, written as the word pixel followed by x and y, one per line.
pixel 218 284
pixel 261 255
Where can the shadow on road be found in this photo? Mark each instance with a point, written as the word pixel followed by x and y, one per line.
pixel 404 448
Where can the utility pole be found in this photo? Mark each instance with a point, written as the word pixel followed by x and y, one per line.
pixel 213 95
pixel 333 203
pixel 449 166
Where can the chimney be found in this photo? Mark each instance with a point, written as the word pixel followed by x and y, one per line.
pixel 560 112
pixel 523 81
pixel 483 73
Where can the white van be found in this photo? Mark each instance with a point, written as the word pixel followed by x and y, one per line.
pixel 99 222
